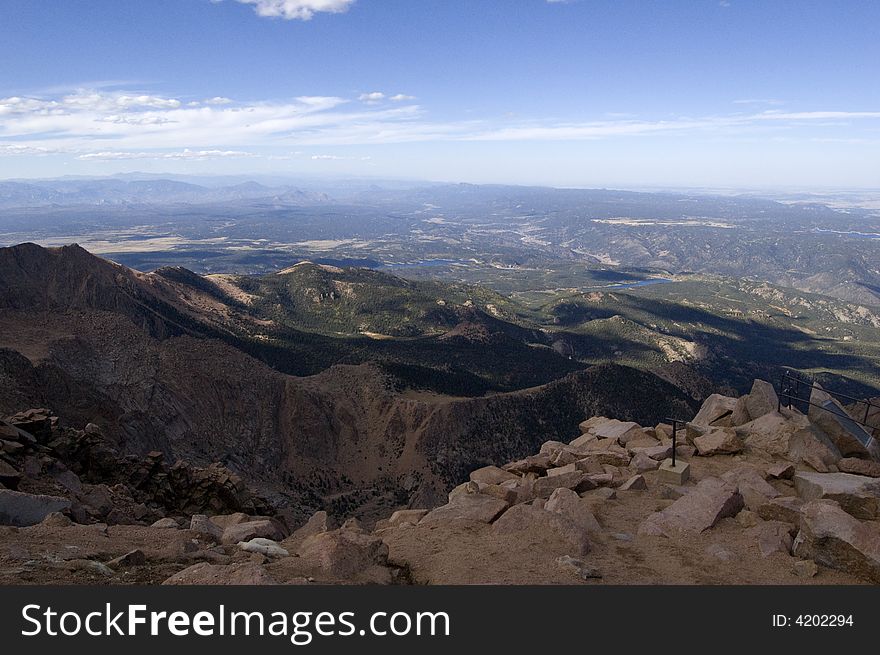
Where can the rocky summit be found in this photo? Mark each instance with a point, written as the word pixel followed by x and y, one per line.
pixel 769 497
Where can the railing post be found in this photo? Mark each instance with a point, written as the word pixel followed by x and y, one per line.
pixel 674 436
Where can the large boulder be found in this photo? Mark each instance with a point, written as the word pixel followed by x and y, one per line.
pixel 621 431
pixel 755 490
pixel 790 435
pixel 701 508
pixel 859 467
pixel 773 537
pixel 716 411
pixel 411 516
pixel 544 487
pixel 343 553
pixel 266 528
pixel 22 509
pixel 491 475
pixel 829 415
pixel 784 508
pixel 529 523
pixel 858 495
pixel 468 506
pixel 762 399
pixel 719 441
pixel 578 510
pixel 203 573
pixel 833 538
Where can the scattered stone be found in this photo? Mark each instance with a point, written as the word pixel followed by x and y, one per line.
pixel 773 537
pixel 580 568
pixel 402 516
pixel 532 464
pixel 268 528
pixel 831 537
pixel 552 447
pixel 593 422
pixel 567 503
pixel 204 573
pixel 266 547
pixel 22 509
pixel 755 490
pixel 506 494
pixel 858 495
pixel 583 441
pixel 781 471
pixel 805 568
pixel 719 441
pixel 319 522
pixel 9 477
pixel 859 467
pixel 165 524
pixel 740 413
pixel 524 520
pixel 621 431
pixel 716 411
pixel 491 475
pixel 761 400
pixel 562 470
pixel 225 520
pixel 466 488
pixel 546 486
pixel 659 452
pixel 641 463
pixel 342 554
pixel 747 519
pixel 786 509
pixel 670 492
pixel 472 507
pixel 131 558
pixel 603 493
pixel 710 501
pixel 635 483
pixel 719 552
pixel 205 527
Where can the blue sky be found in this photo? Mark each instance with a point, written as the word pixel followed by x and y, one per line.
pixel 625 93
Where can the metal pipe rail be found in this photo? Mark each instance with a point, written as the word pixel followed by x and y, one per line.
pixel 791 387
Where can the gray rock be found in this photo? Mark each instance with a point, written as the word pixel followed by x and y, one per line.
pixel 577 566
pixel 472 507
pixel 857 494
pixel 205 527
pixel 22 509
pixel 710 501
pixel 833 538
pixel 165 524
pixel 761 400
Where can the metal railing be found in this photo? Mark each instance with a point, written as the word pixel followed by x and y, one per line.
pixel 791 391
pixel 674 422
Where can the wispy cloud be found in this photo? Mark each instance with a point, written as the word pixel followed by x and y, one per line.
pixel 185 154
pixel 297 9
pixel 96 125
pixel 372 97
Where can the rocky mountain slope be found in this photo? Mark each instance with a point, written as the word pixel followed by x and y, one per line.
pixel 770 497
pixel 148 359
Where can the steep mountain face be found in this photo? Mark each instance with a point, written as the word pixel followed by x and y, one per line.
pixel 136 355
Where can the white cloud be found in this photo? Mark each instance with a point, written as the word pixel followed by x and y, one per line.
pixel 198 155
pixel 372 98
pixel 101 124
pixel 400 97
pixel 297 9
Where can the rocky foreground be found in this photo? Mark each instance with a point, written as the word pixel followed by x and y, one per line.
pixel 770 497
